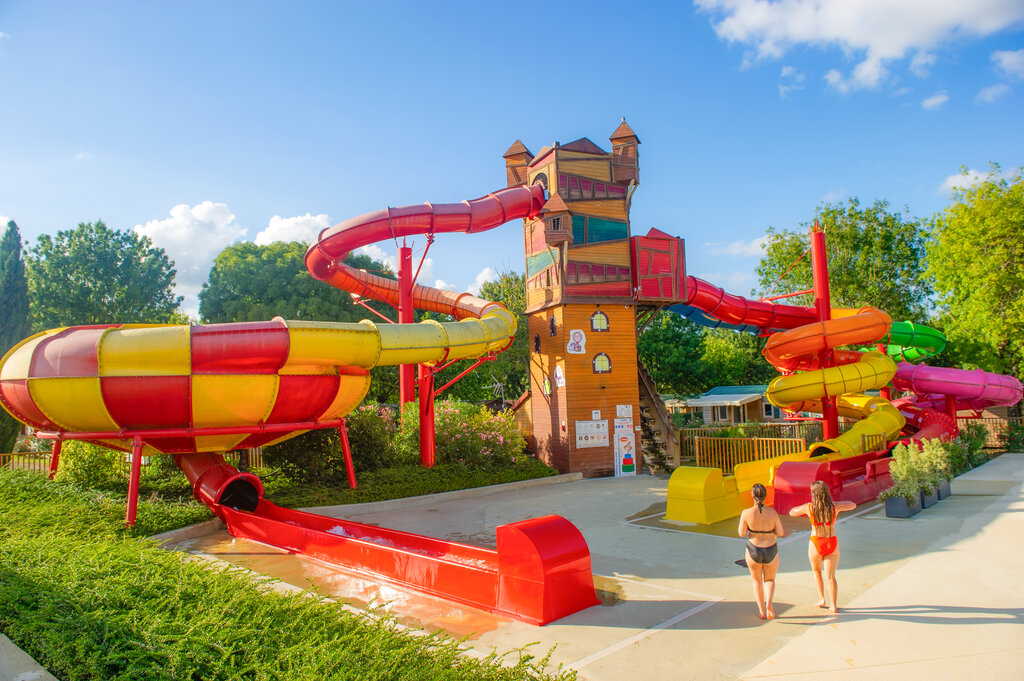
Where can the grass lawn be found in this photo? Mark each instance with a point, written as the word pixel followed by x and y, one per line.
pixel 89 599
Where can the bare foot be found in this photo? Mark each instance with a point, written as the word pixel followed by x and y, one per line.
pixel 834 610
pixel 760 613
pixel 821 603
pixel 771 613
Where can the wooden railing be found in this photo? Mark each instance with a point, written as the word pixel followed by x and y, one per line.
pixel 35 462
pixel 39 462
pixel 994 427
pixel 726 452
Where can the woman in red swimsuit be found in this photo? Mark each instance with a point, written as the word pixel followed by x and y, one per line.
pixel 762 526
pixel 823 551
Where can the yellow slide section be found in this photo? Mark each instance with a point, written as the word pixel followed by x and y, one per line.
pixel 705 495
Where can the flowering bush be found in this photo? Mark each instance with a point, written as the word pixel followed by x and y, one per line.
pixel 371 436
pixel 465 434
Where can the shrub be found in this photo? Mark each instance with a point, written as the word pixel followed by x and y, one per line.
pixel 911 473
pixel 937 457
pixel 689 419
pixel 315 456
pixel 93 466
pixel 371 436
pixel 1011 437
pixel 466 434
pixel 971 442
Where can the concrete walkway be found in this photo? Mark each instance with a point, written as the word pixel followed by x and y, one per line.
pixel 16 665
pixel 936 596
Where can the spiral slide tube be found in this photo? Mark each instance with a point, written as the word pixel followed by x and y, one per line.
pixel 201 390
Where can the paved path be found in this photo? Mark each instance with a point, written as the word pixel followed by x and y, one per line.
pixel 936 596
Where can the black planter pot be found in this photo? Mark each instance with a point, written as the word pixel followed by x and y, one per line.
pixel 899 507
pixel 944 490
pixel 929 499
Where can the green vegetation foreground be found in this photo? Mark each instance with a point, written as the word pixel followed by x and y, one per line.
pixel 91 600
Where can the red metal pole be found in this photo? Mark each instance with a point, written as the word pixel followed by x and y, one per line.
pixel 823 306
pixel 427 435
pixel 133 481
pixel 885 392
pixel 951 407
pixel 55 458
pixel 406 372
pixel 343 432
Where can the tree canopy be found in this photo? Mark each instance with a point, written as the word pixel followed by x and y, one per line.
pixel 14 315
pixel 250 283
pixel 876 258
pixel 976 256
pixel 96 275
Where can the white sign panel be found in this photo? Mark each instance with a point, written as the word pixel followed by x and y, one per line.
pixel 595 414
pixel 592 434
pixel 625 448
pixel 623 411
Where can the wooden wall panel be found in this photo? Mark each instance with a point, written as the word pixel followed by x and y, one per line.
pixel 593 168
pixel 604 252
pixel 550 442
pixel 612 209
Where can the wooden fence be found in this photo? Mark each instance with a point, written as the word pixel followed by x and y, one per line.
pixel 39 462
pixel 726 452
pixel 994 427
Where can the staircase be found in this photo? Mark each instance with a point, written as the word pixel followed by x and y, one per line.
pixel 652 407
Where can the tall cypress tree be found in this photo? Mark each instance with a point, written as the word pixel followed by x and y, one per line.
pixel 14 318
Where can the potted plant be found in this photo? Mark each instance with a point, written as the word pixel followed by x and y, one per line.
pixel 939 456
pixel 900 502
pixel 903 498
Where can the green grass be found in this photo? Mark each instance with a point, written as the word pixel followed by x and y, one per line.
pixel 90 599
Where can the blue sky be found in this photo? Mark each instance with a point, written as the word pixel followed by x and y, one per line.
pixel 205 123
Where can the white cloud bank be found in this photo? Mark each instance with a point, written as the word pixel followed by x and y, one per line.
pixel 1009 64
pixel 303 228
pixel 877 32
pixel 192 237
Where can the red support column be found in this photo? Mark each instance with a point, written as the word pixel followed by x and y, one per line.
pixel 406 372
pixel 951 407
pixel 349 468
pixel 886 392
pixel 55 458
pixel 823 306
pixel 427 440
pixel 133 482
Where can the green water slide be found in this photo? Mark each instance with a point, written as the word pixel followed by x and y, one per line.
pixel 912 342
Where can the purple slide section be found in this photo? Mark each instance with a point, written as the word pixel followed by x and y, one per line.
pixel 973 389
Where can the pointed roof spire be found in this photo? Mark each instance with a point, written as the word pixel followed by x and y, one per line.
pixel 624 132
pixel 554 205
pixel 516 148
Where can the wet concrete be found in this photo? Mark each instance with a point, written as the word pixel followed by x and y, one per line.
pixel 676 606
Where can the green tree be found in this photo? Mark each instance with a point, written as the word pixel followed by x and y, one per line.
pixel 976 257
pixel 732 358
pixel 876 257
pixel 671 349
pixel 14 315
pixel 96 275
pixel 250 283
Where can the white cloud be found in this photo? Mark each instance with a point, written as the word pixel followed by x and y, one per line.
pixel 82 155
pixel 391 260
pixel 935 101
pixel 900 92
pixel 748 249
pixel 3 222
pixel 486 274
pixel 4 35
pixel 921 64
pixel 304 228
pixel 445 286
pixel 962 180
pixel 833 195
pixel 992 93
pixel 192 238
pixel 790 79
pixel 877 32
pixel 1009 64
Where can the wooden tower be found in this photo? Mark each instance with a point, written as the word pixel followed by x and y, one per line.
pixel 584 394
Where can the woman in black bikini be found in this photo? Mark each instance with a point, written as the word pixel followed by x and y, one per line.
pixel 762 526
